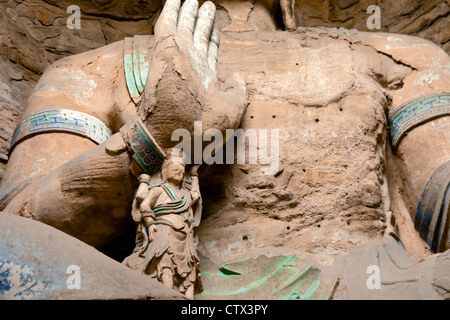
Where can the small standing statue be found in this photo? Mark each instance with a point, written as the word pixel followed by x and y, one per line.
pixel 166 212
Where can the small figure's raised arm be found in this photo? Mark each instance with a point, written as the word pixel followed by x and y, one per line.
pixel 195 191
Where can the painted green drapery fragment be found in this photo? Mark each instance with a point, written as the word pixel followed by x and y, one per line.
pixel 262 277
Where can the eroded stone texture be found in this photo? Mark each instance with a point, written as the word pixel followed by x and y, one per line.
pixel 332 144
pixel 379 270
pixel 329 193
pixel 14 90
pixel 441 279
pixel 400 277
pixel 329 90
pixel 37 262
pixel 70 166
pixel 427 20
pixel 269 274
pixel 33 34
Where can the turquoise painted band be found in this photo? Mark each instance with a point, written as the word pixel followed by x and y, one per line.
pixel 61 120
pixel 417 112
pixel 136 65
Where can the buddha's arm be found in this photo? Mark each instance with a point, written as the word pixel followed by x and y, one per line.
pixel 419 121
pixel 88 194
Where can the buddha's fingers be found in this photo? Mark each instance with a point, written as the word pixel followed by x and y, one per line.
pixel 203 28
pixel 167 22
pixel 187 18
pixel 213 50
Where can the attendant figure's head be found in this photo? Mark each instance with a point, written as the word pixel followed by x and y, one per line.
pixel 173 169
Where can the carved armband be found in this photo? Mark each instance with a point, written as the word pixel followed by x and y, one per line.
pixel 417 112
pixel 61 120
pixel 147 154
